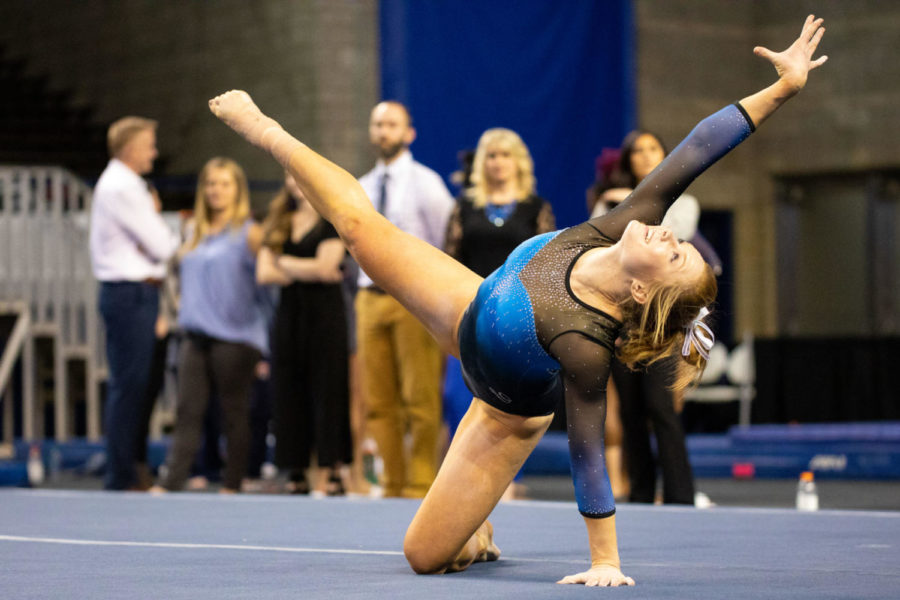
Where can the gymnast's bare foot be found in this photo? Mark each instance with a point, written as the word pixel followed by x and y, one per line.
pixel 489 550
pixel 485 550
pixel 237 110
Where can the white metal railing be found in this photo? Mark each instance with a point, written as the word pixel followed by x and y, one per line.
pixel 46 281
pixel 15 346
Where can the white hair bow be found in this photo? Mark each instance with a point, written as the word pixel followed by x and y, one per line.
pixel 699 335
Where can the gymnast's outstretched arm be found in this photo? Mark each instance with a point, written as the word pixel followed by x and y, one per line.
pixel 717 135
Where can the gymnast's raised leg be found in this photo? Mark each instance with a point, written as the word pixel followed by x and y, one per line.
pixel 431 285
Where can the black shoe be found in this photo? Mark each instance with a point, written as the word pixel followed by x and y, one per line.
pixel 297 487
pixel 335 486
pixel 297 483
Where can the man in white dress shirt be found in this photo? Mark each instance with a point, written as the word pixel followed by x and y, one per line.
pixel 400 361
pixel 130 245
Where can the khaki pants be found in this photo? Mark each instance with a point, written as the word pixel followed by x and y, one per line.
pixel 401 369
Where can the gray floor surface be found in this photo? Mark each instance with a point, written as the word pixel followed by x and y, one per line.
pixel 90 544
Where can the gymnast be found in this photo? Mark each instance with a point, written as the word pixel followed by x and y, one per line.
pixel 544 326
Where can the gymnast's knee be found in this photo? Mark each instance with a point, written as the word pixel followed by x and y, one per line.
pixel 422 559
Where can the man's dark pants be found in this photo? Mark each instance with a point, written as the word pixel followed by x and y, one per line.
pixel 129 311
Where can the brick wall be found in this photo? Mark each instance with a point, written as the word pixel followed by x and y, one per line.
pixel 312 64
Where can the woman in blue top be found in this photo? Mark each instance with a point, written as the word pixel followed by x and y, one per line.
pixel 544 325
pixel 223 316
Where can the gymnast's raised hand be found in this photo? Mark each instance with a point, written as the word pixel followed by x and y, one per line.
pixel 794 64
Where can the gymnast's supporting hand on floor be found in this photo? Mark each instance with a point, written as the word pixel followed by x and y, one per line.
pixel 542 328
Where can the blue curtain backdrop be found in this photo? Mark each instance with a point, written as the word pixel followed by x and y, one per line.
pixel 560 73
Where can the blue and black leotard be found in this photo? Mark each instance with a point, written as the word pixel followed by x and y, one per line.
pixel 526 341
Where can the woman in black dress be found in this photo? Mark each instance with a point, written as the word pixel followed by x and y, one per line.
pixel 302 253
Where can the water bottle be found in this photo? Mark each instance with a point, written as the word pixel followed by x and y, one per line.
pixel 807 496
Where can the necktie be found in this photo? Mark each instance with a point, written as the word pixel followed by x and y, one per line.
pixel 382 193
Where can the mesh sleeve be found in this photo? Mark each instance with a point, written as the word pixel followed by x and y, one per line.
pixel 585 368
pixel 710 140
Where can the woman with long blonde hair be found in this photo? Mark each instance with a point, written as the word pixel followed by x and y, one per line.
pixel 544 326
pixel 500 209
pixel 222 314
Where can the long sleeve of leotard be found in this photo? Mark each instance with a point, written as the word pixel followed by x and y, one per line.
pixel 709 141
pixel 585 371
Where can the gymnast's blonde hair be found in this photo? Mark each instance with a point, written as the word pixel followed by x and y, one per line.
pixel 657 328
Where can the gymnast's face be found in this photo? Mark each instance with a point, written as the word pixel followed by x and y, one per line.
pixel 220 189
pixel 390 130
pixel 654 254
pixel 646 153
